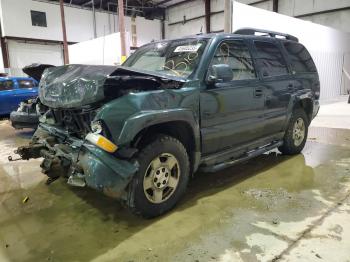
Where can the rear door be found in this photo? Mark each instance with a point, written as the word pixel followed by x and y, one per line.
pixel 277 81
pixel 303 68
pixel 232 111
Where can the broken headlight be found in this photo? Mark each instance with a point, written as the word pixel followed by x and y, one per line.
pixel 96 127
pixel 101 142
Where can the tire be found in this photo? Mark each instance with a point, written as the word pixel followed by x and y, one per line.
pixel 294 143
pixel 163 167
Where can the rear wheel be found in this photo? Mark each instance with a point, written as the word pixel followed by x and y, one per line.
pixel 162 177
pixel 296 133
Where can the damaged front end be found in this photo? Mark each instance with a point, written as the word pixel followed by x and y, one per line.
pixel 74 139
pixel 82 163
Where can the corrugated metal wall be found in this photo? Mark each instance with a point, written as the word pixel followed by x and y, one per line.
pixel 326 45
pixel 346 75
pixel 329 66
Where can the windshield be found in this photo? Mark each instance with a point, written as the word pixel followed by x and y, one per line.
pixel 177 57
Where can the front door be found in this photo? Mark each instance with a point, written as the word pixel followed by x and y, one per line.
pixel 232 111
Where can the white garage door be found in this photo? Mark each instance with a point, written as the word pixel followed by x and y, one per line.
pixel 23 54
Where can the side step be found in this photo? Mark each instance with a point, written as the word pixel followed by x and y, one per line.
pixel 247 156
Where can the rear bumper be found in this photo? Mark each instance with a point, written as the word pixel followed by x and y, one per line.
pixel 79 160
pixel 24 120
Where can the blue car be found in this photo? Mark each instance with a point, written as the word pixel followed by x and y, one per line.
pixel 14 90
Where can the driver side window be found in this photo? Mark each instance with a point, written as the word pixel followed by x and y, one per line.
pixel 236 55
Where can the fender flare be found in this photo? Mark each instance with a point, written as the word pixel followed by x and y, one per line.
pixel 295 99
pixel 144 119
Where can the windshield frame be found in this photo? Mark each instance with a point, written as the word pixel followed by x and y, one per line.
pixel 191 76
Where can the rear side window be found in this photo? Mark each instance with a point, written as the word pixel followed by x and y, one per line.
pixel 299 57
pixel 235 53
pixel 270 59
pixel 26 83
pixel 6 85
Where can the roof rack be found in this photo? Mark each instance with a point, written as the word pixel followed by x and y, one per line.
pixel 252 31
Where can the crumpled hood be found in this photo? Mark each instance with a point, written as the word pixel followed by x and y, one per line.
pixel 74 86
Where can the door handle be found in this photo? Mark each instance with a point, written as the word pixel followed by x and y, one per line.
pixel 258 92
pixel 290 87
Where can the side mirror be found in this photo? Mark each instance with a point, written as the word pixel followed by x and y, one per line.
pixel 220 73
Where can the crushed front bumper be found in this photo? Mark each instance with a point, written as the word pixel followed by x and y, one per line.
pixel 104 172
pixel 80 161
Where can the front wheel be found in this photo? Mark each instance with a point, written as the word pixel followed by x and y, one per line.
pixel 296 134
pixel 162 177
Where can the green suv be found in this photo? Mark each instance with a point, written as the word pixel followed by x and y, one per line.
pixel 138 132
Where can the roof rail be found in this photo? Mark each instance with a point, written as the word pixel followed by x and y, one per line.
pixel 252 31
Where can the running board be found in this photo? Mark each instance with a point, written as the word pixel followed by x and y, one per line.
pixel 247 156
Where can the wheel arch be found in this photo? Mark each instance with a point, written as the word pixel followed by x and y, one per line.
pixel 307 105
pixel 180 124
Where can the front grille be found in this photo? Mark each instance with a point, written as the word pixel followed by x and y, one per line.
pixel 75 122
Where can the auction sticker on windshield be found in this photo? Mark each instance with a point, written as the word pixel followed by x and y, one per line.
pixel 187 48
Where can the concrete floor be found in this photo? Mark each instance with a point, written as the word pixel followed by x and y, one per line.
pixel 334 115
pixel 272 208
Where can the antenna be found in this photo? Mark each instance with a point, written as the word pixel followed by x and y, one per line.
pixel 201 31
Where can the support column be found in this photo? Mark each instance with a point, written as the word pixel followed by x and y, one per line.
pixel 207 15
pixel 5 53
pixel 133 32
pixel 275 6
pixel 122 29
pixel 227 16
pixel 163 28
pixel 94 18
pixel 65 45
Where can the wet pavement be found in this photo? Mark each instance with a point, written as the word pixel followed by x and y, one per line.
pixel 272 208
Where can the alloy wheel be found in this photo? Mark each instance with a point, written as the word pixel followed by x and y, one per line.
pixel 161 178
pixel 298 131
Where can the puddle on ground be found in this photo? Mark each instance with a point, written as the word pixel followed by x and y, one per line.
pixel 333 136
pixel 227 214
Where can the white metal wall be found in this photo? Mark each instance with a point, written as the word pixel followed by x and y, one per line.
pixel 99 51
pixel 16 21
pixel 346 75
pixel 338 18
pixel 329 66
pixel 326 45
